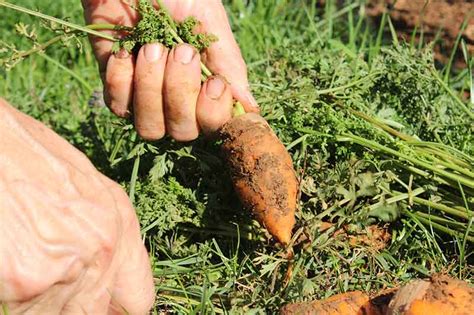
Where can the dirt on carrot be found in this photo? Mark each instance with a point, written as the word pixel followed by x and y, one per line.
pixel 262 173
pixel 438 295
pixel 351 303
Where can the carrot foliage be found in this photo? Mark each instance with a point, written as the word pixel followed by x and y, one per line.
pixel 154 27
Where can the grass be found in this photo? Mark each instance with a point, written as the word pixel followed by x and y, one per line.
pixel 406 165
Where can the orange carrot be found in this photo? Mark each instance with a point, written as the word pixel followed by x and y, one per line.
pixel 262 173
pixel 351 303
pixel 439 295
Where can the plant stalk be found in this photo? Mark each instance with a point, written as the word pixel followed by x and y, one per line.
pixel 443 229
pixel 74 26
pixel 377 146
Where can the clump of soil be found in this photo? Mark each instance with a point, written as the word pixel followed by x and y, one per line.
pixel 437 19
pixel 262 173
pixel 373 237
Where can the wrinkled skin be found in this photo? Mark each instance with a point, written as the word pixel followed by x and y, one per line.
pixel 163 87
pixel 70 240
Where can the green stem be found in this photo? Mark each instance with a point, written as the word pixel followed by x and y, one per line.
pixel 443 229
pixel 343 87
pixel 463 106
pixel 397 198
pixel 451 161
pixel 379 124
pixel 111 27
pixel 413 141
pixel 238 110
pixel 465 213
pixel 444 221
pixel 133 179
pixel 74 26
pixel 438 206
pixel 374 145
pixel 424 174
pixel 468 158
pixel 454 167
pixel 446 156
pixel 69 71
pixel 5 309
pixel 39 47
pixel 205 70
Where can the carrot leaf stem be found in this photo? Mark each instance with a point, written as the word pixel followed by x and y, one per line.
pixel 73 26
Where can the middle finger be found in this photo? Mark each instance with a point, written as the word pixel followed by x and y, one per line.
pixel 182 84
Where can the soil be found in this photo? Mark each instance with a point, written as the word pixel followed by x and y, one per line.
pixel 262 173
pixel 374 237
pixel 440 20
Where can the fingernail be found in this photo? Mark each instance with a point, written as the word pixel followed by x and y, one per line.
pixel 184 53
pixel 215 88
pixel 153 52
pixel 252 100
pixel 122 54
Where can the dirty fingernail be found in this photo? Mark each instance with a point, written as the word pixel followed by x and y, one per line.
pixel 122 54
pixel 184 53
pixel 153 52
pixel 215 88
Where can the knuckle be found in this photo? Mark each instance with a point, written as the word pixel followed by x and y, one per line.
pixel 22 283
pixel 107 245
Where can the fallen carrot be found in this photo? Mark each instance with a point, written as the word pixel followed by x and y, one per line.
pixel 439 295
pixel 350 303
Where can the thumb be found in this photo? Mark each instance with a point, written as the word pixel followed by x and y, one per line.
pixel 225 59
pixel 133 290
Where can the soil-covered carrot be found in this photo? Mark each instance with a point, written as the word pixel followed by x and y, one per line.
pixel 351 303
pixel 439 295
pixel 262 173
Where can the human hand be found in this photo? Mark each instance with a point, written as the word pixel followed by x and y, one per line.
pixel 164 86
pixel 70 241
